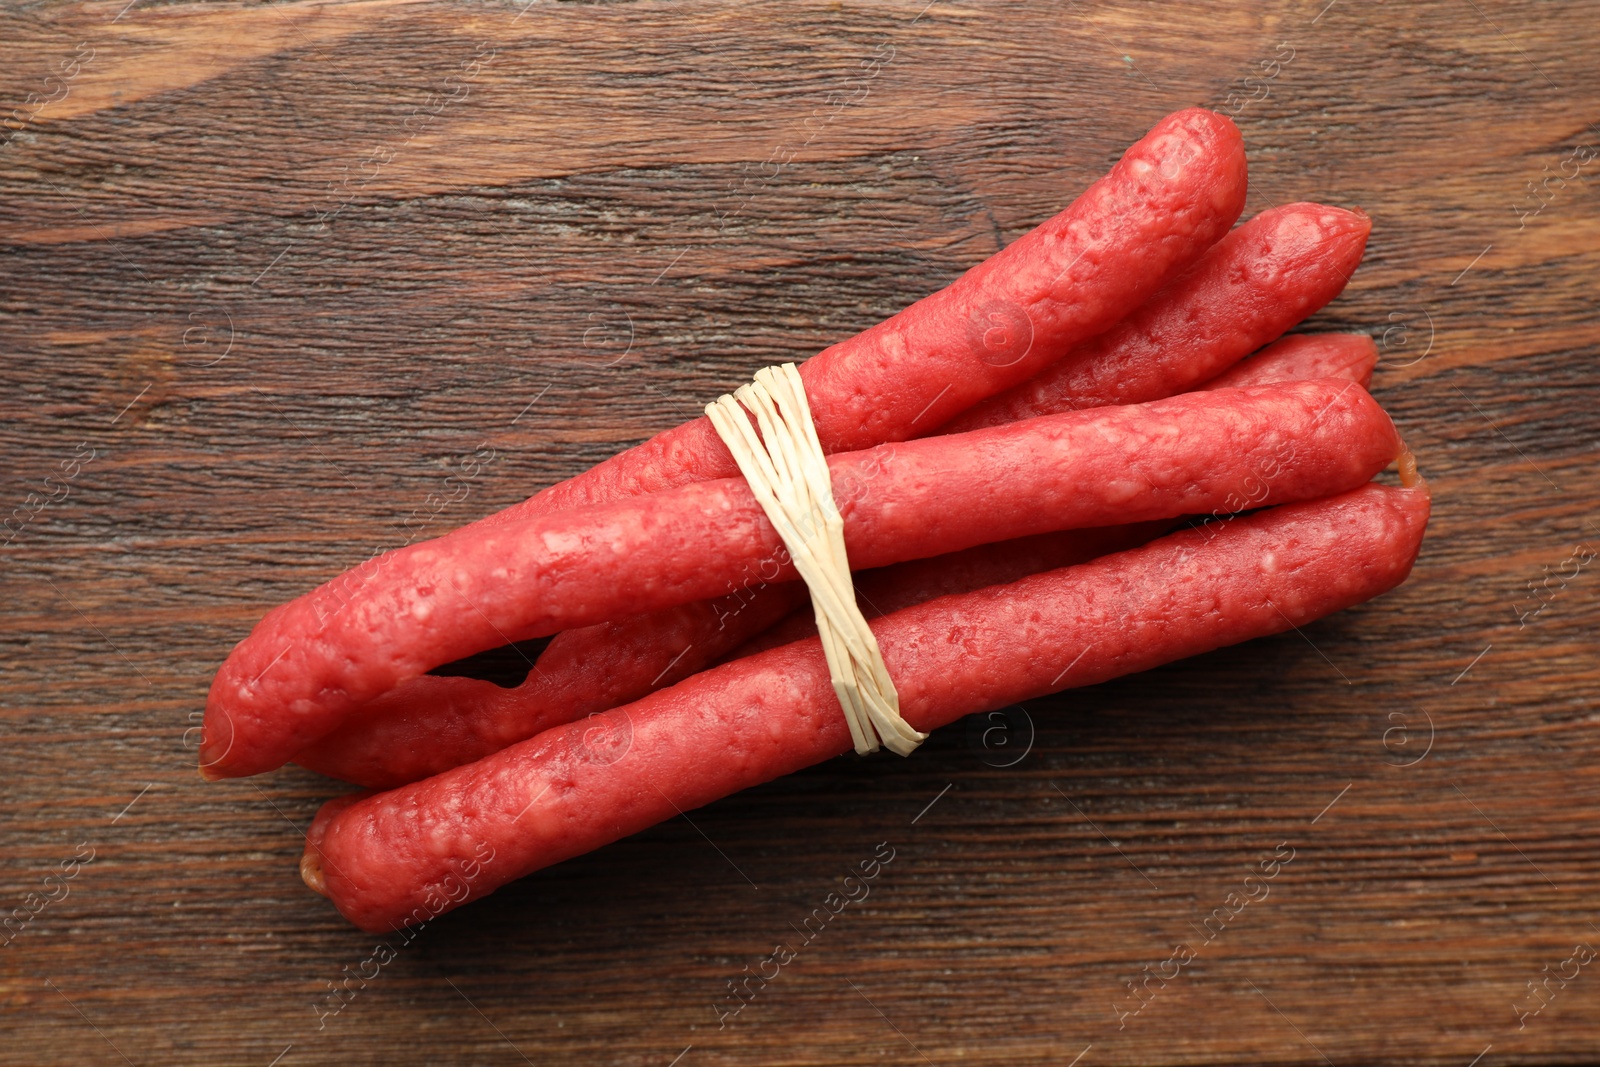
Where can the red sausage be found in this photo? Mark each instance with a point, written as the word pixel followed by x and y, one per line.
pixel 381 746
pixel 409 854
pixel 883 590
pixel 1170 197
pixel 1303 357
pixel 1257 282
pixel 1300 358
pixel 312 661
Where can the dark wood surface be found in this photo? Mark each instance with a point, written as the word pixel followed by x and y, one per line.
pixel 271 271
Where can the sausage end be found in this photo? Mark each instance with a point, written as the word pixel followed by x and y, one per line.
pixel 311 871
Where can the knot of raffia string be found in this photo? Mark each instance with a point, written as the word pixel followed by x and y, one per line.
pixel 788 474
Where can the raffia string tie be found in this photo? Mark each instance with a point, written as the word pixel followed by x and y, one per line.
pixel 789 476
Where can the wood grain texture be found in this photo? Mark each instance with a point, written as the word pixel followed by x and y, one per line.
pixel 271 271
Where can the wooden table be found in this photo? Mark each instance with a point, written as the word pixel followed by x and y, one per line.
pixel 271 271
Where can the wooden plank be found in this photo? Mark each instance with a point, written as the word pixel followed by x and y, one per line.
pixel 273 270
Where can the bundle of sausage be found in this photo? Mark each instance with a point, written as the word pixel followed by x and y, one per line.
pixel 1042 472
